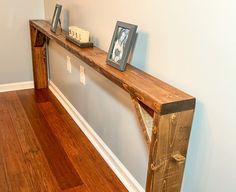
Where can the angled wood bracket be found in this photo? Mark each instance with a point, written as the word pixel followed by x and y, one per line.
pixel 145 117
pixel 167 138
pixel 40 39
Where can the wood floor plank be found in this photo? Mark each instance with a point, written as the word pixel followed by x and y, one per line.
pixel 3 180
pixel 43 150
pixel 16 170
pixel 39 170
pixel 84 147
pixel 81 188
pixel 87 170
pixel 93 159
pixel 61 166
pixel 81 151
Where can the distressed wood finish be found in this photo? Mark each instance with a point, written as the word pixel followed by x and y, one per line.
pixel 165 113
pixel 154 93
pixel 168 151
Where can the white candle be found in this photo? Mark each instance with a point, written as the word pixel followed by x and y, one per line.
pixel 79 34
pixel 78 31
pixel 71 31
pixel 74 32
pixel 84 36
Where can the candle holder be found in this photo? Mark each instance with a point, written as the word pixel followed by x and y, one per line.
pixel 77 42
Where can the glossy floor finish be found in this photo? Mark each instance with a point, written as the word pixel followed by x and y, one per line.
pixel 42 148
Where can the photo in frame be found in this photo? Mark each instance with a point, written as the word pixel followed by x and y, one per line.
pixel 56 17
pixel 123 39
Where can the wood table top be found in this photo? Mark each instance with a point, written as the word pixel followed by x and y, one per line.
pixel 156 94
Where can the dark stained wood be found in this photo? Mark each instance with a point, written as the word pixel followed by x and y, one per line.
pixel 17 176
pixel 40 172
pixel 151 91
pixel 168 151
pixel 38 47
pixel 76 145
pixel 149 110
pixel 40 39
pixel 88 159
pixel 3 180
pixel 61 166
pixel 26 165
pixel 158 104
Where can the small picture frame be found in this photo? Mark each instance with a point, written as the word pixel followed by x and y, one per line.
pixel 123 39
pixel 56 17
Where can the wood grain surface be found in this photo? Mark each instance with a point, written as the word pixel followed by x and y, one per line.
pixel 39 59
pixel 165 113
pixel 168 151
pixel 59 163
pixel 43 150
pixel 158 95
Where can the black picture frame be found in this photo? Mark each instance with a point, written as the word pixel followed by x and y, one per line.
pixel 123 39
pixel 56 17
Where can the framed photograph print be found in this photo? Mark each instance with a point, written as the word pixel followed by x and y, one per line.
pixel 122 41
pixel 56 18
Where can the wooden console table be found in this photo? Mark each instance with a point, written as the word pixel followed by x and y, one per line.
pixel 164 112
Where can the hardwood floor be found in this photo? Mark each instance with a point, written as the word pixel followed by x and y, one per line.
pixel 42 148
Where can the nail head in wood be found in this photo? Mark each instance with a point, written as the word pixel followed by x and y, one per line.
pixel 179 158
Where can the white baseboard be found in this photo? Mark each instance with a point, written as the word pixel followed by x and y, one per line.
pixel 16 86
pixel 119 169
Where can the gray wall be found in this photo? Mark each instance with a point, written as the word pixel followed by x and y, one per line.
pixel 190 44
pixel 15 53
